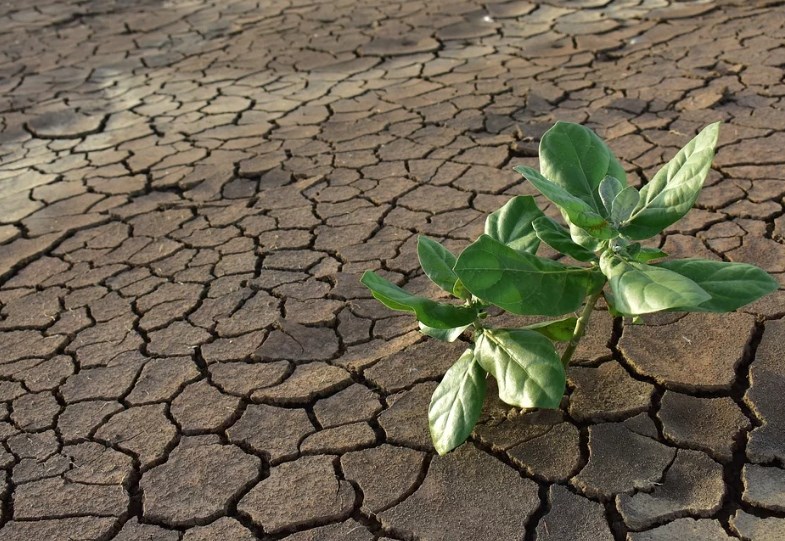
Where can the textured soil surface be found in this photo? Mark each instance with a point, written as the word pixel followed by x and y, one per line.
pixel 190 189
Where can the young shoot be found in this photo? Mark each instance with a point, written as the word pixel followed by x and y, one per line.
pixel 605 220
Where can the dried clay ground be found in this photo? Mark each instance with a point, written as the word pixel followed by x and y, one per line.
pixel 190 189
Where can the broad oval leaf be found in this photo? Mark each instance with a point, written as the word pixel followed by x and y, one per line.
pixel 526 366
pixel 560 330
pixel 576 159
pixel 512 224
pixel 641 289
pixel 611 302
pixel 456 403
pixel 609 188
pixel 460 291
pixel 433 314
pixel 558 238
pixel 576 210
pixel 646 254
pixel 672 192
pixel 623 204
pixel 445 335
pixel 731 285
pixel 519 282
pixel 437 262
pixel 581 237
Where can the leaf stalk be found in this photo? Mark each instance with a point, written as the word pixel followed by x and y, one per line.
pixel 580 328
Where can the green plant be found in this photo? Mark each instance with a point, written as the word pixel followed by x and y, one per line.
pixel 606 218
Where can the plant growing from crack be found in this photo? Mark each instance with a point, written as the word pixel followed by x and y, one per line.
pixel 606 219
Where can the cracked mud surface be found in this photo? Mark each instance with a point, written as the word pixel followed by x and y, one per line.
pixel 190 189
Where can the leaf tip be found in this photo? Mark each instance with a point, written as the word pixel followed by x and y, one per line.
pixel 367 275
pixel 712 131
pixel 772 285
pixel 440 450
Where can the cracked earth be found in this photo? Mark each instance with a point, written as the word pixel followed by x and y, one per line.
pixel 189 191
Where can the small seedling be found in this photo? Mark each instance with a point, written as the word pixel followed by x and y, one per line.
pixel 606 218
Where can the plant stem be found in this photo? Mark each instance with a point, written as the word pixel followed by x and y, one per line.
pixel 580 328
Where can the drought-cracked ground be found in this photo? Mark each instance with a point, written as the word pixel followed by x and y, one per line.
pixel 189 190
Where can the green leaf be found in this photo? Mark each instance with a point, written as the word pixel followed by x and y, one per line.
pixel 577 211
pixel 576 159
pixel 558 238
pixel 445 335
pixel 673 190
pixel 437 262
pixel 460 291
pixel 519 282
pixel 512 224
pixel 456 403
pixel 646 254
pixel 641 289
pixel 582 238
pixel 623 204
pixel 597 281
pixel 559 330
pixel 731 285
pixel 526 366
pixel 433 314
pixel 609 188
pixel 611 302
